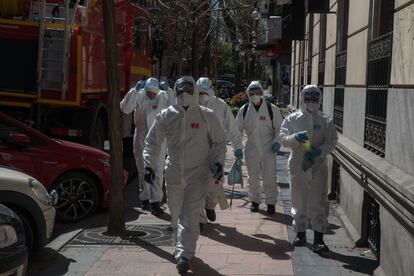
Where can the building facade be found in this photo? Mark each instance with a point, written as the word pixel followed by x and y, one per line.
pixel 361 54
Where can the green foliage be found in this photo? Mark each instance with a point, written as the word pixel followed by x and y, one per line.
pixel 225 62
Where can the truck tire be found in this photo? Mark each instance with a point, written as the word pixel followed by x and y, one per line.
pixel 97 137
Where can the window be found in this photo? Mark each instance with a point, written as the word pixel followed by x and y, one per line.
pixel 310 47
pixel 342 25
pixel 378 75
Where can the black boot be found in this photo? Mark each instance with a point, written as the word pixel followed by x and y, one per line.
pixel 156 209
pixel 146 205
pixel 211 214
pixel 182 265
pixel 254 208
pixel 271 209
pixel 318 243
pixel 300 239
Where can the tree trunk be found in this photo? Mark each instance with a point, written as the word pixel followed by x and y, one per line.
pixel 194 52
pixel 116 224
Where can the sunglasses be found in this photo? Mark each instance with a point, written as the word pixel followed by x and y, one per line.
pixel 184 87
pixel 255 91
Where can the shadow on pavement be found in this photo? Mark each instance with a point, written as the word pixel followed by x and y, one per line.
pixel 197 266
pixel 277 249
pixel 200 268
pixel 277 217
pixel 48 262
pixel 354 263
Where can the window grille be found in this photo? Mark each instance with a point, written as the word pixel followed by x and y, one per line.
pixel 378 80
pixel 335 184
pixel 340 77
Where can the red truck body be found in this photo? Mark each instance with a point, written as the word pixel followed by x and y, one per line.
pixel 80 112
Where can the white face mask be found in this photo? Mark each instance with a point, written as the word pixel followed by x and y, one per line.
pixel 255 99
pixel 203 99
pixel 311 107
pixel 185 99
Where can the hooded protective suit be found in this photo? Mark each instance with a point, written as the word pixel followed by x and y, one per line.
pixel 309 189
pixel 170 93
pixel 228 122
pixel 145 111
pixel 261 134
pixel 195 141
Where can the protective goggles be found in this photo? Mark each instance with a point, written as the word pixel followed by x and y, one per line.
pixel 184 87
pixel 311 96
pixel 255 91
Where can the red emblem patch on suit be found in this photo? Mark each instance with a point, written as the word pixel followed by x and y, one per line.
pixel 195 125
pixel 262 118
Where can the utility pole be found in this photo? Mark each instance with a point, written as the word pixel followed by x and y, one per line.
pixel 116 225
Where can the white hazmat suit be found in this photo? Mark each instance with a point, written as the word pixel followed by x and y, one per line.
pixel 309 188
pixel 228 122
pixel 262 133
pixel 145 111
pixel 195 141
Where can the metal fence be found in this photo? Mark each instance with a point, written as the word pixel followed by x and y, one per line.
pixel 374 226
pixel 335 182
pixel 340 78
pixel 378 80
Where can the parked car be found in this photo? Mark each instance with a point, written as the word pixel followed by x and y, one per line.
pixel 13 250
pixel 80 174
pixel 28 198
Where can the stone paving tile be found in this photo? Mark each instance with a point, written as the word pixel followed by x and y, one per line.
pixel 117 254
pixel 242 269
pixel 276 268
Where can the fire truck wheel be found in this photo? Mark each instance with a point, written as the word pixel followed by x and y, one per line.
pixel 98 135
pixel 78 196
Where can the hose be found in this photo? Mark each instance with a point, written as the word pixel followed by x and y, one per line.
pixel 11 8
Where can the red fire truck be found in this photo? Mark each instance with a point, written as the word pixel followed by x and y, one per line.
pixel 53 67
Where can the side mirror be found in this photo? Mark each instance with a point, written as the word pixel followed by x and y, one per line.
pixel 19 139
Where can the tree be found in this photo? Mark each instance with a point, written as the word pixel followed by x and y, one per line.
pixel 116 225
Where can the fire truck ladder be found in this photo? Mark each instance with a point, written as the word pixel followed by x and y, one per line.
pixel 53 53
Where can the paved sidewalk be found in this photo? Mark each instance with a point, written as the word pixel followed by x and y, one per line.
pixel 238 243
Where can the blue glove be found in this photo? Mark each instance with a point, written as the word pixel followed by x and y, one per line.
pixel 313 153
pixel 217 170
pixel 302 136
pixel 149 175
pixel 275 147
pixel 140 84
pixel 238 153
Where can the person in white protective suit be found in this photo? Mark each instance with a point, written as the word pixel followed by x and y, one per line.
pixel 307 165
pixel 261 120
pixel 196 144
pixel 170 93
pixel 147 103
pixel 227 120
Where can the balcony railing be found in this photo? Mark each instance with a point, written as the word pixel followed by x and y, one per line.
pixel 378 80
pixel 340 78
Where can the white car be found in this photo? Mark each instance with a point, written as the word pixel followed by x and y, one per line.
pixel 29 199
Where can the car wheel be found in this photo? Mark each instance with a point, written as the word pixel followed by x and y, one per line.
pixel 78 196
pixel 28 230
